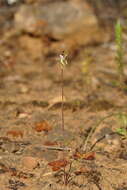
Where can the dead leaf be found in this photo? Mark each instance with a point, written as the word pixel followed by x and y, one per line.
pixel 85 156
pixel 42 126
pixel 77 155
pixel 56 168
pixel 55 101
pixel 49 143
pixel 15 133
pixel 89 156
pixel 58 164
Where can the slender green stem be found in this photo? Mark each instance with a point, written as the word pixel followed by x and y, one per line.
pixel 119 53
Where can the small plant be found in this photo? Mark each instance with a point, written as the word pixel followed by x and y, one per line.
pixel 63 169
pixel 122 120
pixel 67 175
pixel 119 53
pixel 63 63
pixel 122 131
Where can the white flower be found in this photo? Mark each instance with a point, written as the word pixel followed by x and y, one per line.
pixel 63 60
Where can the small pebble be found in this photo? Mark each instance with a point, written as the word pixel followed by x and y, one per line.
pixel 30 162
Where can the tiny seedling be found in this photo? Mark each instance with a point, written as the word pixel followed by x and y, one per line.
pixel 119 53
pixel 122 121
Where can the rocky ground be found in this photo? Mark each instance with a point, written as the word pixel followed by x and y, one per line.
pixel 35 152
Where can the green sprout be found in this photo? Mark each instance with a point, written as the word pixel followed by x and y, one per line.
pixel 122 120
